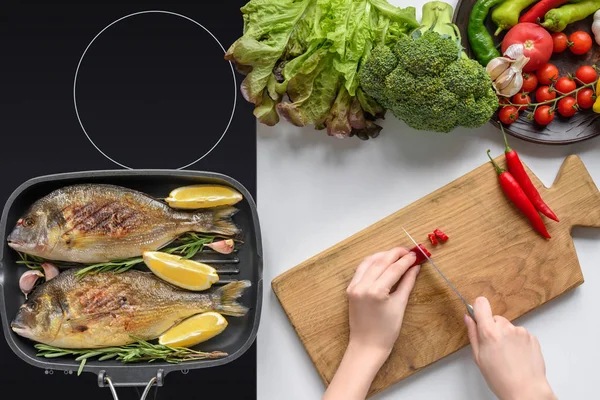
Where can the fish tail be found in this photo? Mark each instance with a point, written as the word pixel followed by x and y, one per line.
pixel 226 299
pixel 222 223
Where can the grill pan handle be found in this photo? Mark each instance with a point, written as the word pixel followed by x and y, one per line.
pixel 105 380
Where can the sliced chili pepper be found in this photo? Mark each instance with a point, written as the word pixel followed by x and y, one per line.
pixel 515 193
pixel 443 237
pixel 420 257
pixel 516 169
pixel 432 238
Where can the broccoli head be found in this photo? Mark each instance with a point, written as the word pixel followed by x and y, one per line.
pixel 427 81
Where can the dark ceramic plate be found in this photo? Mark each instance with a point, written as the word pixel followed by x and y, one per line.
pixel 583 125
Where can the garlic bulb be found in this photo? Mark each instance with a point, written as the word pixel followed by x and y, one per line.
pixel 507 74
pixel 596 26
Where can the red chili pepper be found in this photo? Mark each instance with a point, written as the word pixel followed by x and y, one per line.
pixel 538 11
pixel 514 192
pixel 516 168
pixel 420 257
pixel 432 239
pixel 443 237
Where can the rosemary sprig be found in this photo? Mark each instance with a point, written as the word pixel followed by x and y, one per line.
pixel 32 262
pixel 192 243
pixel 141 350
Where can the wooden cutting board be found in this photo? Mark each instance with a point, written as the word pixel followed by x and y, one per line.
pixel 492 251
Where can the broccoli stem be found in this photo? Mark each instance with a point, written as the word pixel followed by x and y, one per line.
pixel 437 16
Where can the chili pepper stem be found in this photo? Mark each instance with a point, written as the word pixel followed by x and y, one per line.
pixel 507 148
pixel 498 169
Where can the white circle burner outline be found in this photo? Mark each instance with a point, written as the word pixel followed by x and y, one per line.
pixel 154 12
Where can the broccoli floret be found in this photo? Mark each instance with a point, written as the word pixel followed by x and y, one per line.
pixel 474 112
pixel 429 83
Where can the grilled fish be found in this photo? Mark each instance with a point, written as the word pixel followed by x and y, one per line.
pixel 105 309
pixel 100 223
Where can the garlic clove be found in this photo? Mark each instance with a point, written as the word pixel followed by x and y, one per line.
pixel 50 270
pixel 497 66
pixel 222 246
pixel 514 87
pixel 514 51
pixel 505 79
pixel 28 280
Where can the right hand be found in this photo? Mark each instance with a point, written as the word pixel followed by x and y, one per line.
pixel 509 357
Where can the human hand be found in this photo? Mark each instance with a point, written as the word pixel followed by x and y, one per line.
pixel 510 359
pixel 376 310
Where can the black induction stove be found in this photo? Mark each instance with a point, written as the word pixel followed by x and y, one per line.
pixel 90 85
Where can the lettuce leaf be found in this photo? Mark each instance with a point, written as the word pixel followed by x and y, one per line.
pixel 301 60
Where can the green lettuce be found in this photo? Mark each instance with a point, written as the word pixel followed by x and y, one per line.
pixel 301 60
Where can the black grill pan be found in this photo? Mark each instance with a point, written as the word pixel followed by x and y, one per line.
pixel 235 340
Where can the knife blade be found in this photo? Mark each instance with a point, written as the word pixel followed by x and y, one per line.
pixel 467 305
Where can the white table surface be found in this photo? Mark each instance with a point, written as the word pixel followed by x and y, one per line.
pixel 315 190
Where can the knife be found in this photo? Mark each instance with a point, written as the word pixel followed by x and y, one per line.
pixel 469 307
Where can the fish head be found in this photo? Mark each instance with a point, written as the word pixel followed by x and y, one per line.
pixel 39 319
pixel 31 234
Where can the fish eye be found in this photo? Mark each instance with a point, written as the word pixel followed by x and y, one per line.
pixel 28 222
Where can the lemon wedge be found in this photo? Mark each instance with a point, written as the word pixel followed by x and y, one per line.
pixel 203 196
pixel 179 271
pixel 194 330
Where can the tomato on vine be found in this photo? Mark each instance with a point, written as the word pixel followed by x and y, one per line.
pixel 547 74
pixel 544 115
pixel 585 98
pixel 560 42
pixel 586 74
pixel 580 42
pixel 567 106
pixel 544 93
pixel 565 85
pixel 530 82
pixel 521 99
pixel 508 115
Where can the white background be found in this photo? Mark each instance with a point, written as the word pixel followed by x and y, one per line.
pixel 315 190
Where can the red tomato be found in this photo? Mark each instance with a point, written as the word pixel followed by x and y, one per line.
pixel 567 107
pixel 586 74
pixel 537 43
pixel 530 82
pixel 565 85
pixel 585 98
pixel 544 93
pixel 581 42
pixel 544 115
pixel 547 74
pixel 521 98
pixel 508 115
pixel 559 40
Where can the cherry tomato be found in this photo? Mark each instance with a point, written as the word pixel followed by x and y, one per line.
pixel 536 41
pixel 508 115
pixel 580 42
pixel 567 107
pixel 547 74
pixel 521 98
pixel 565 85
pixel 544 93
pixel 586 74
pixel 559 40
pixel 530 82
pixel 585 98
pixel 544 115
pixel 503 101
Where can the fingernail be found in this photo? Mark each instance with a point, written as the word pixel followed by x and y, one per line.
pixel 466 319
pixel 412 253
pixel 418 267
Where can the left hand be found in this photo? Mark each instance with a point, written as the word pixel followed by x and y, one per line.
pixel 376 310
